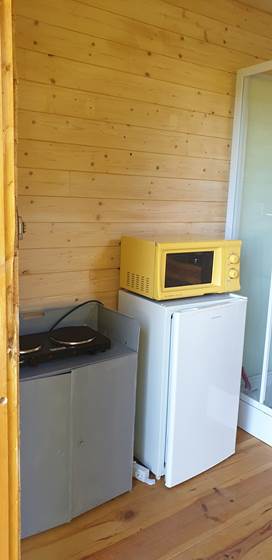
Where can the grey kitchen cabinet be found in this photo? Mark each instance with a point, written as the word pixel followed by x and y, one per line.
pixel 45 453
pixel 76 441
pixel 103 409
pixel 77 423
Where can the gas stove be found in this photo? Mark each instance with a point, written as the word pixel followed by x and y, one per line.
pixel 60 343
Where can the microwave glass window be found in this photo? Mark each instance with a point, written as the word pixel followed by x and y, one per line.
pixel 187 269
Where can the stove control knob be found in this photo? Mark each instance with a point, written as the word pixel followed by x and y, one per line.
pixel 233 258
pixel 233 273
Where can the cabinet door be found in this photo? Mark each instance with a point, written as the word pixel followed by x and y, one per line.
pixel 204 387
pixel 45 453
pixel 103 408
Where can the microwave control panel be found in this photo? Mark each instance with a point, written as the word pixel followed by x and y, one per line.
pixel 233 270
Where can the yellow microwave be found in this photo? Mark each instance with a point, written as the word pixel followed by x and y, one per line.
pixel 161 269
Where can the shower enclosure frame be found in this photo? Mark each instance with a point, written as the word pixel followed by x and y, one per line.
pixel 255 417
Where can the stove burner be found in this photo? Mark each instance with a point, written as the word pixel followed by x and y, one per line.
pixel 30 344
pixel 73 336
pixel 30 350
pixel 60 343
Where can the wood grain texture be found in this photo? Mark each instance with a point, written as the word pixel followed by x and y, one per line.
pixel 4 452
pixel 156 35
pixel 66 234
pixel 9 430
pixel 94 51
pixel 222 514
pixel 36 66
pixel 45 182
pixel 264 5
pixel 125 123
pixel 53 99
pixel 217 22
pixel 37 261
pixel 60 284
pixel 60 209
pixel 41 126
pixel 56 155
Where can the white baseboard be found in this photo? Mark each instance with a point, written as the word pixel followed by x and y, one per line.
pixel 256 419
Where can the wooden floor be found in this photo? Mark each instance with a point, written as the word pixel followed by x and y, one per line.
pixel 224 514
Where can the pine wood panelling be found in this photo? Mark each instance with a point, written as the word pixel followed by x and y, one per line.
pixel 194 20
pixel 46 69
pixel 157 21
pixel 99 52
pixel 63 101
pixel 124 122
pixel 264 5
pixel 60 209
pixel 41 154
pixel 85 234
pixel 224 513
pixel 48 182
pixel 60 284
pixel 36 261
pixel 70 282
pixel 215 23
pixel 41 126
pixel 231 13
pixel 43 182
pixel 63 299
pixel 166 45
pixel 69 287
pixel 105 24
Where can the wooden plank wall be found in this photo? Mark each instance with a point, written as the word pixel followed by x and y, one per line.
pixel 124 125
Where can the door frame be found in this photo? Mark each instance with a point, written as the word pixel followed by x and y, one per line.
pixel 254 416
pixel 9 432
pixel 238 146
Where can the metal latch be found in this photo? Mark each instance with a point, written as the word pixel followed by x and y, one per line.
pixel 21 228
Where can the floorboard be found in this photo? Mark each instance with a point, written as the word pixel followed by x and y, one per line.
pixel 223 514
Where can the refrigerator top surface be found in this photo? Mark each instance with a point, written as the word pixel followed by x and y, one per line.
pixel 198 301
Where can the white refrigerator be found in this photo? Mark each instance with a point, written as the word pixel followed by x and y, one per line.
pixel 188 383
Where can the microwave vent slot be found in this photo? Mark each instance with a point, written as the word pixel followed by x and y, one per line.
pixel 138 282
pixel 147 285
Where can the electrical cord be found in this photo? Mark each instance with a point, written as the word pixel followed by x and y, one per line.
pixel 72 311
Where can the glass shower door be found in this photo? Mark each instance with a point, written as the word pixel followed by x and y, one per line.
pixel 255 230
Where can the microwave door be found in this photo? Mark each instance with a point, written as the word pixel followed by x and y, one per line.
pixel 188 269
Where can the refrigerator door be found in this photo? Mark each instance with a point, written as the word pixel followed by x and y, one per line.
pixel 204 387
